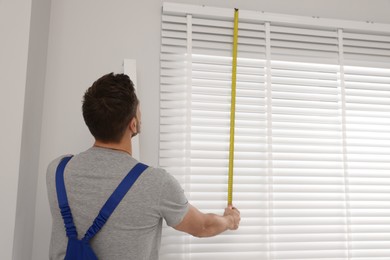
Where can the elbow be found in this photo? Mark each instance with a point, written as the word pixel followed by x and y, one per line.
pixel 201 232
pixel 207 228
pixel 199 236
pixel 204 228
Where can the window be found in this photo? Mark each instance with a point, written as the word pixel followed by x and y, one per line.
pixel 312 134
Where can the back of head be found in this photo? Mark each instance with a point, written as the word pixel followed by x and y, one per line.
pixel 108 107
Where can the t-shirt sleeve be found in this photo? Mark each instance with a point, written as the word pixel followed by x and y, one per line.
pixel 173 202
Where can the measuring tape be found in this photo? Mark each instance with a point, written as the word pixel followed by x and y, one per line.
pixel 233 109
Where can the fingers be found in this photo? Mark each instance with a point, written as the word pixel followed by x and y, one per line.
pixel 235 214
pixel 234 208
pixel 237 218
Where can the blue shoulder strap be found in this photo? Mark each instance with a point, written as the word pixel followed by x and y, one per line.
pixel 114 200
pixel 108 208
pixel 62 198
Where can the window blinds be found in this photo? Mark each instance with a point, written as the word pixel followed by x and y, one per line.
pixel 312 143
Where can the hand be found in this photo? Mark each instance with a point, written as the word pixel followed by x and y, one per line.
pixel 234 215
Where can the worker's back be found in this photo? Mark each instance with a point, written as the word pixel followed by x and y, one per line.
pixel 134 229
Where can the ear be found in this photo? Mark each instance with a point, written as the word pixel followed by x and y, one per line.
pixel 133 125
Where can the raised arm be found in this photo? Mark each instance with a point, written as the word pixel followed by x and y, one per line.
pixel 200 224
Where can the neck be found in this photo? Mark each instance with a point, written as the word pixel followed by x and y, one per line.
pixel 124 146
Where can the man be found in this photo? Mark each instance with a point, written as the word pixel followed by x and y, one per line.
pixel 111 112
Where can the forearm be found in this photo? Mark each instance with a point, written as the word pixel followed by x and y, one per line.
pixel 214 225
pixel 199 224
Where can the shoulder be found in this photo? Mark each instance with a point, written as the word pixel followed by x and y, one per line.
pixel 54 163
pixel 160 174
pixel 162 178
pixel 51 168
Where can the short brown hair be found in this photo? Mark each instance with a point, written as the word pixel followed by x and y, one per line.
pixel 108 107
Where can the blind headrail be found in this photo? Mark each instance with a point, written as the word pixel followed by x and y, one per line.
pixel 261 17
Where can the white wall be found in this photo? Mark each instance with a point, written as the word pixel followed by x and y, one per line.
pixel 31 132
pixel 14 38
pixel 86 40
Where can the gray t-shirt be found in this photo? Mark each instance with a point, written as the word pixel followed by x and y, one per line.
pixel 134 229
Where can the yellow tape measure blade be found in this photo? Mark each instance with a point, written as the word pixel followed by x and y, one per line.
pixel 233 109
